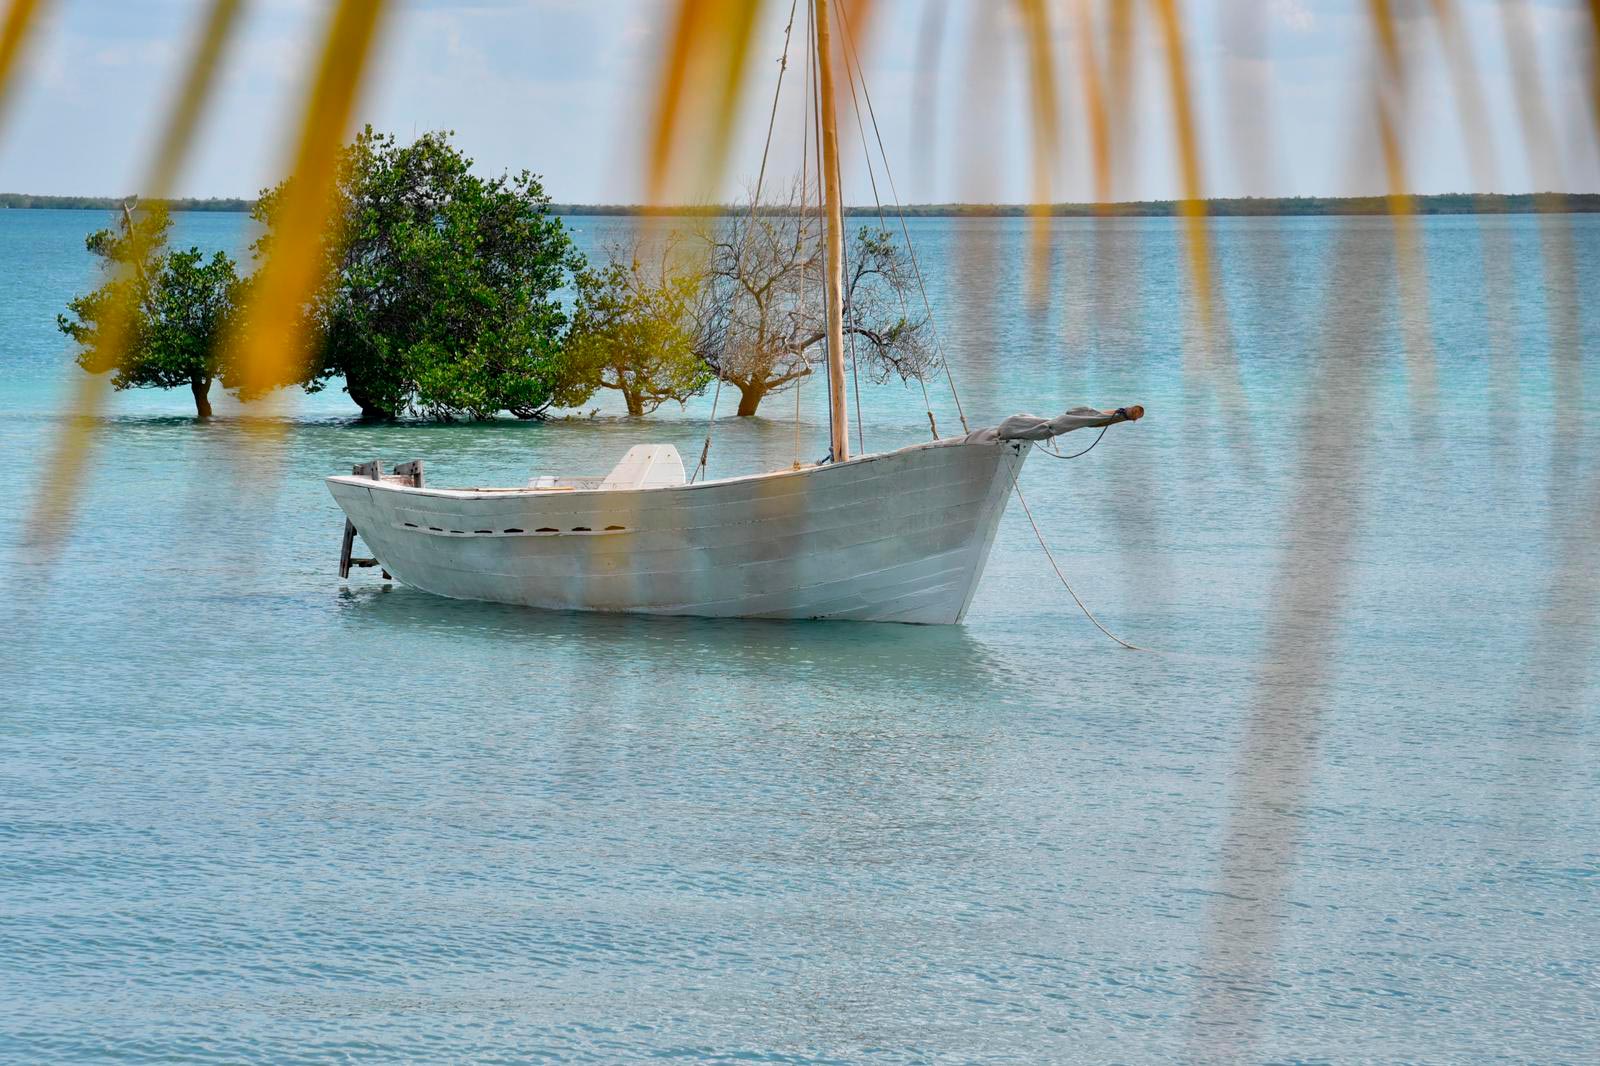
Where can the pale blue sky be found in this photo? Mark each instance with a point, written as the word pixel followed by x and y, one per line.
pixel 562 87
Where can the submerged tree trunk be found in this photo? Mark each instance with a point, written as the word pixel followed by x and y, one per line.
pixel 371 409
pixel 635 403
pixel 750 397
pixel 201 387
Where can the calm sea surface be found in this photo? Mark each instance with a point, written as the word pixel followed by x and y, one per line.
pixel 250 813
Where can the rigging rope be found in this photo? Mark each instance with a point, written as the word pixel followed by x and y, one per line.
pixel 800 225
pixel 755 202
pixel 916 268
pixel 814 122
pixel 855 387
pixel 872 180
pixel 847 296
pixel 855 377
pixel 797 383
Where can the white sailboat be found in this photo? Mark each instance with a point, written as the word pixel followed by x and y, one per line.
pixel 899 536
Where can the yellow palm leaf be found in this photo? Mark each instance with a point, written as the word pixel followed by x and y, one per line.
pixel 20 18
pixel 271 345
pixel 70 454
pixel 698 97
pixel 1046 136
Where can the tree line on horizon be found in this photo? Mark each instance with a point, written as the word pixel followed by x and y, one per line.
pixel 443 297
pixel 32 201
pixel 1455 203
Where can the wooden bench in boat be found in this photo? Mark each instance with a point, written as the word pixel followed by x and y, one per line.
pixel 646 466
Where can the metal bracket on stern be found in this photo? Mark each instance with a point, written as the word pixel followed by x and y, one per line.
pixel 404 474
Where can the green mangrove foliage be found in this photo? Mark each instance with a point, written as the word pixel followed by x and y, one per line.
pixel 442 296
pixel 442 291
pixel 180 302
pixel 633 330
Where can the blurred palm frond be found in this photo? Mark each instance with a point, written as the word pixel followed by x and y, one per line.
pixel 21 16
pixel 1391 86
pixel 698 96
pixel 270 343
pixel 1046 141
pixel 1094 102
pixel 70 455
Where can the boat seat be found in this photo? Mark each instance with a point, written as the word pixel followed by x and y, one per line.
pixel 646 466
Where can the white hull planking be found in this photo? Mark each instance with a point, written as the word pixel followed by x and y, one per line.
pixel 896 537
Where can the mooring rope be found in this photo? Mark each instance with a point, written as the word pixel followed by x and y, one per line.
pixel 1039 535
pixel 1052 453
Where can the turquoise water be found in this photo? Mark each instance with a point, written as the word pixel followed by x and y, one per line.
pixel 248 813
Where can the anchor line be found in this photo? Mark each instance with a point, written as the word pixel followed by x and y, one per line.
pixel 1039 535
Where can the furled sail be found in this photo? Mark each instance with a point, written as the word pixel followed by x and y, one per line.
pixel 1032 427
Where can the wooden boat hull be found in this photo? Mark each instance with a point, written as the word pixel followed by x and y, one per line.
pixel 896 537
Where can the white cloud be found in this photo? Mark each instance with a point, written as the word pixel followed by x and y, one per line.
pixel 1292 15
pixel 565 88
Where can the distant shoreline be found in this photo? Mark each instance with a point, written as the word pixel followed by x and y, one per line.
pixel 21 201
pixel 1277 206
pixel 1236 207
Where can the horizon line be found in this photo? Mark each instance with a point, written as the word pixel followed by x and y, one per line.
pixel 1219 206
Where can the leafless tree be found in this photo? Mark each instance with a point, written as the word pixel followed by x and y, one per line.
pixel 761 319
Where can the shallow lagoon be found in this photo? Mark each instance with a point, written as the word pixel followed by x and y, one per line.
pixel 247 813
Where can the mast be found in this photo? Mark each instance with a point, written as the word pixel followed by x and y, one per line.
pixel 838 420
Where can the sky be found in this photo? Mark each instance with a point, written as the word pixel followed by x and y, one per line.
pixel 565 88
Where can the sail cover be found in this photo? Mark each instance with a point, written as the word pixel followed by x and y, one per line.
pixel 1032 427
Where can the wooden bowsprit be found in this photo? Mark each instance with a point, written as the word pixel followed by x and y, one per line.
pixel 404 474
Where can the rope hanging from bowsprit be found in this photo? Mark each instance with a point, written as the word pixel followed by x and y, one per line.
pixel 1039 536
